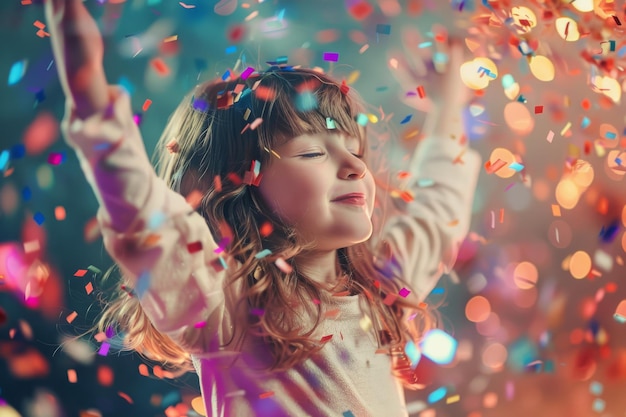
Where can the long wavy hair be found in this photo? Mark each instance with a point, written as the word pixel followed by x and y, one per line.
pixel 206 148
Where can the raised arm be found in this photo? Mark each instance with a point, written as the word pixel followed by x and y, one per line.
pixel 163 247
pixel 425 238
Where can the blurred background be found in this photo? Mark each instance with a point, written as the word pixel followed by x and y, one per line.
pixel 536 301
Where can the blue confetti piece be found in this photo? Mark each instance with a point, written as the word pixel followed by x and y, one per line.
pixel 383 29
pixel 610 135
pixel 516 166
pixel 330 123
pixel 18 151
pixel 437 395
pixel 595 388
pixel 26 194
pixel 425 45
pixel 126 85
pixel 585 123
pixel 39 218
pixel 406 119
pixel 5 157
pixel 347 414
pixel 226 75
pixel 200 64
pixel 598 405
pixel 231 50
pixel 306 101
pixel 263 254
pixel 361 119
pixel 156 220
pixel 438 290
pixel 413 353
pixel 200 105
pixel 18 69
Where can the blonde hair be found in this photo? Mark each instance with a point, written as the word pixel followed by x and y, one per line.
pixel 209 136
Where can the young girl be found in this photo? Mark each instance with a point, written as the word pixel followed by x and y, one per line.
pixel 252 254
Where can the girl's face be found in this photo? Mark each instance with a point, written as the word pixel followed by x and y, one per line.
pixel 303 187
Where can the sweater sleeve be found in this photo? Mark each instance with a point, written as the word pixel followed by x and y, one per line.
pixel 162 246
pixel 424 239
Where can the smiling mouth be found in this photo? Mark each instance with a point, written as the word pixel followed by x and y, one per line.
pixel 355 201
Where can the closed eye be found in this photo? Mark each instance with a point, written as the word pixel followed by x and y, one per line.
pixel 313 155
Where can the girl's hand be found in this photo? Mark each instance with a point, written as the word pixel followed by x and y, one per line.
pixel 78 50
pixel 436 69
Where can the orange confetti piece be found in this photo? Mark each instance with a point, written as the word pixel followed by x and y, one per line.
pixel 267 394
pixel 59 213
pixel 556 210
pixel 39 25
pixel 264 93
pixel 217 182
pixel 89 288
pixel 125 396
pixel 143 370
pixel 420 91
pixel 71 317
pixel 71 376
pixel 146 104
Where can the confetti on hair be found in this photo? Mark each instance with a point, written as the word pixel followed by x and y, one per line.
pixel 283 265
pixel 256 123
pixel 262 254
pixel 104 349
pixel 266 229
pixel 326 338
pixel 194 198
pixel 219 264
pixel 172 146
pixel 264 93
pixel 330 123
pixel 404 292
pixel 362 119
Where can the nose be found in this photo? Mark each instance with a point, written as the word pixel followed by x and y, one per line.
pixel 352 168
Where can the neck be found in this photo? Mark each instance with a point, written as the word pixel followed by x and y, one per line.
pixel 321 267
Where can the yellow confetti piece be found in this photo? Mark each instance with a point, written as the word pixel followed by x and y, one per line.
pixel 171 38
pixel 453 399
pixel 566 128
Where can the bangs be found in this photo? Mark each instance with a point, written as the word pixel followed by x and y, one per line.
pixel 307 103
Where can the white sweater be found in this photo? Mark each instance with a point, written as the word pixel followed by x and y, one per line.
pixel 183 294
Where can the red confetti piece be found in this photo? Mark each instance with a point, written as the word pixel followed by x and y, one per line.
pixel 266 229
pixel 267 394
pixel 160 66
pixel 236 33
pixel 217 183
pixel 146 104
pixel 420 91
pixel 360 10
pixel 194 247
pixel 326 338
pixel 234 178
pixel 538 109
pixel 80 273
